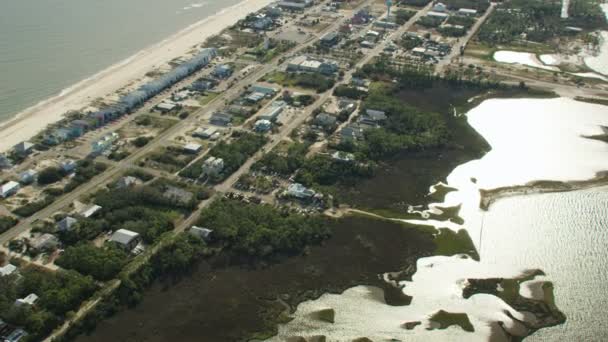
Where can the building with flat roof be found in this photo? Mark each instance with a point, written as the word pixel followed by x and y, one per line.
pixel 193 148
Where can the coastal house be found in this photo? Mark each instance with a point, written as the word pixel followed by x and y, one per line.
pixel 299 191
pixel 440 7
pixel 213 166
pixel 351 132
pixel 262 24
pixel 267 90
pixel 373 117
pixel 255 97
pixel 204 133
pixel 23 148
pixel 203 233
pixel 5 163
pixel 7 270
pixel 343 156
pixel 126 239
pixel 192 148
pixel 66 224
pixel 220 119
pixel 327 121
pixel 177 194
pixel 68 165
pixel 29 300
pixel 8 189
pixel 127 182
pixel 44 242
pixel 273 112
pixel 468 12
pixel 330 39
pixel 222 71
pixel 90 211
pixel 28 176
pixel 295 5
pixel 262 126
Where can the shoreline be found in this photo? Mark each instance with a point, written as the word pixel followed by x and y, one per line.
pixel 36 118
pixel 489 197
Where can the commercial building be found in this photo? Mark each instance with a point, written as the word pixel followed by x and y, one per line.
pixel 313 65
pixel 295 5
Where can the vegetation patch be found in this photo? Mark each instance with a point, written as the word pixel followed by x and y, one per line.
pixel 447 319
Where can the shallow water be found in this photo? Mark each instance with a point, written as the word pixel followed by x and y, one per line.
pixel 563 234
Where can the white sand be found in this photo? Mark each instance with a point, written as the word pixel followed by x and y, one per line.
pixel 523 58
pixel 34 119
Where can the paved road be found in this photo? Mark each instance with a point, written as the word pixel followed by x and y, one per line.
pixel 163 139
pixel 462 42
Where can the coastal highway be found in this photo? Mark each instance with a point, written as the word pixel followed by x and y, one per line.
pixel 162 139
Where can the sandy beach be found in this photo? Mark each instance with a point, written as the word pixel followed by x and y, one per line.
pixel 34 119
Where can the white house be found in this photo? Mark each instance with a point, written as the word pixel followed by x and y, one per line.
pixel 7 270
pixel 193 148
pixel 29 300
pixel 9 189
pixel 203 233
pixel 440 7
pixel 90 211
pixel 213 166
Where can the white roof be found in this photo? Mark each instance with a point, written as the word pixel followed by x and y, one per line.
pixel 90 211
pixel 193 147
pixel 7 270
pixel 9 186
pixel 311 64
pixel 437 14
pixel 123 236
pixel 30 299
pixel 467 10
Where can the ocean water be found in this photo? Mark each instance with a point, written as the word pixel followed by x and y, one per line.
pixel 47 46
